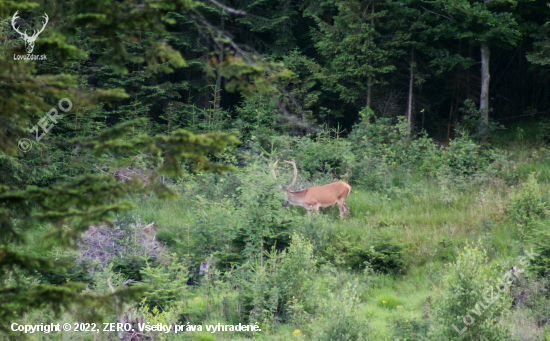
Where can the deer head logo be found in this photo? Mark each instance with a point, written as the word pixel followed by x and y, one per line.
pixel 29 40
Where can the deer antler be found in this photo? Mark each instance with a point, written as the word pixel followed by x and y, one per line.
pixel 293 163
pixel 15 17
pixel 272 167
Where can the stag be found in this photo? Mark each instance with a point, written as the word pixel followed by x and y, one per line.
pixel 315 197
pixel 29 40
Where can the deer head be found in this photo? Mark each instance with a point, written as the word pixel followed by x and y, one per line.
pixel 29 40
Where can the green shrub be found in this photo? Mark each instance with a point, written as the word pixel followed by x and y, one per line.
pixel 318 229
pixel 320 159
pixel 75 273
pixel 241 216
pixel 541 239
pixel 214 226
pixel 261 220
pixel 541 264
pixel 384 154
pixel 165 283
pixel 269 281
pixel 528 203
pixel 472 119
pixel 462 297
pixel 195 311
pixel 131 266
pixel 387 257
pixel 383 256
pixel 446 250
pixel 339 321
pixel 463 156
pixel 528 207
pixel 225 260
pixel 167 238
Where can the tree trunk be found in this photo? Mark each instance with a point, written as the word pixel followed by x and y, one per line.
pixel 450 120
pixel 484 97
pixel 369 80
pixel 369 91
pixel 468 78
pixel 217 91
pixel 410 104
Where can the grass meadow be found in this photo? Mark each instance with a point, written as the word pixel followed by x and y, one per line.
pixel 415 255
pixel 434 217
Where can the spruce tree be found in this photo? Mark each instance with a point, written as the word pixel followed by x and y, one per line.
pixel 58 211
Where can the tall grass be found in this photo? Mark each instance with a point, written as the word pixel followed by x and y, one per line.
pixel 434 219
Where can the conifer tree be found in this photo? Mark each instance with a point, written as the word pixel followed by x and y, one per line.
pixel 484 23
pixel 65 208
pixel 353 54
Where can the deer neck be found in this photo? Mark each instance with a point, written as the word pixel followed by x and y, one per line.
pixel 295 196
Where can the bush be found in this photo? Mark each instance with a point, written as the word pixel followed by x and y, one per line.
pixel 446 250
pixel 241 216
pixel 384 154
pixel 383 256
pixel 339 322
pixel 541 238
pixel 528 204
pixel 387 257
pixel 269 281
pixel 75 273
pixel 527 208
pixel 261 220
pixel 322 159
pixel 463 156
pixel 166 283
pixel 131 266
pixel 461 299
pixel 472 119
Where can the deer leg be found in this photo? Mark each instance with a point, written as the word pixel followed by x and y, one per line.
pixel 315 209
pixel 340 203
pixel 341 209
pixel 346 210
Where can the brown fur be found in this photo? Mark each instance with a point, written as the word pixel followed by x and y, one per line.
pixel 315 197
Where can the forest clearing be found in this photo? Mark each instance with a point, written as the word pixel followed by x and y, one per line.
pixel 275 170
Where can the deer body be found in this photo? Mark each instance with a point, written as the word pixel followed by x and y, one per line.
pixel 315 197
